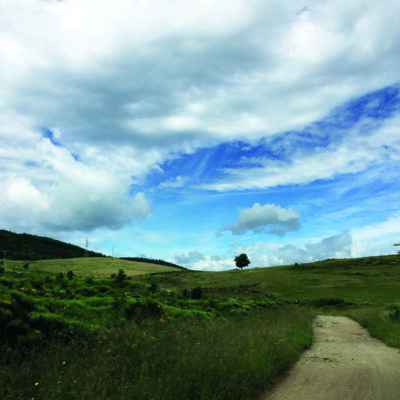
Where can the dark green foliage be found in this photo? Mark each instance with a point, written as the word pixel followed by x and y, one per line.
pixel 121 276
pixel 242 261
pixel 31 247
pixel 154 287
pixel 394 312
pixel 70 275
pixel 26 266
pixel 143 309
pixel 60 276
pixel 63 284
pixel 330 302
pixel 197 293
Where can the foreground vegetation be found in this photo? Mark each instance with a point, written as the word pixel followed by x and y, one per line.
pixel 79 329
pixel 120 338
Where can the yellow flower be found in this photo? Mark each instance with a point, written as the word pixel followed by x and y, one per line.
pixel 37 383
pixel 64 362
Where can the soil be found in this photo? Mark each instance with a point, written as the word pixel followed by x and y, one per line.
pixel 344 363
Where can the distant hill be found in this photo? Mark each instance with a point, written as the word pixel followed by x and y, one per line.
pixel 22 246
pixel 152 261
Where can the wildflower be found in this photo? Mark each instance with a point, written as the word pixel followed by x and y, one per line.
pixel 64 362
pixel 37 383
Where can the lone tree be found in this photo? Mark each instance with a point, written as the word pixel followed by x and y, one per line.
pixel 242 261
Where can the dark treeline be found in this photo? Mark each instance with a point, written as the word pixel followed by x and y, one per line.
pixel 22 246
pixel 152 261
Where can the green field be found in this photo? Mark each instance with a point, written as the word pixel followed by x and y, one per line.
pixel 112 329
pixel 96 267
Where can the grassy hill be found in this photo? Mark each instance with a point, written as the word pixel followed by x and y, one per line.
pixel 163 333
pixel 94 267
pixel 22 246
pixel 359 280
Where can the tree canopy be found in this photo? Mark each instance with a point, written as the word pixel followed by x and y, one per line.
pixel 242 261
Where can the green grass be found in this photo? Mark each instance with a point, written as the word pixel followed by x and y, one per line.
pixel 96 267
pixel 156 335
pixel 372 279
pixel 222 359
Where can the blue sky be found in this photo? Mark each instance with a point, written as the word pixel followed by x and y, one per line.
pixel 192 133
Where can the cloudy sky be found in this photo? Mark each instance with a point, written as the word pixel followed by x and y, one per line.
pixel 193 131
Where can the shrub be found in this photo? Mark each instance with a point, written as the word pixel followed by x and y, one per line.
pixel 140 310
pixel 331 302
pixel 394 312
pixel 197 293
pixel 60 277
pixel 153 288
pixel 5 316
pixel 121 276
pixel 26 266
pixel 70 275
pixel 48 322
pixel 16 327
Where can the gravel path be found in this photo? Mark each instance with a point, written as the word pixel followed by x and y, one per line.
pixel 344 363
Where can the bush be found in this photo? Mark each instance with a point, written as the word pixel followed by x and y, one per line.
pixel 60 277
pixel 140 310
pixel 394 312
pixel 70 275
pixel 197 293
pixel 331 302
pixel 121 276
pixel 153 288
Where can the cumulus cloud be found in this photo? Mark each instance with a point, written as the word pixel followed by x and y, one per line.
pixel 47 187
pixel 267 218
pixel 270 254
pixel 196 260
pixel 125 87
pixel 189 258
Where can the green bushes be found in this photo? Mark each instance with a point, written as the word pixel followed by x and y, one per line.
pixel 329 302
pixel 142 309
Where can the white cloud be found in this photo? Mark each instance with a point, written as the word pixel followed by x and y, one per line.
pixel 46 187
pixel 189 259
pixel 130 84
pixel 267 218
pixel 356 151
pixel 199 262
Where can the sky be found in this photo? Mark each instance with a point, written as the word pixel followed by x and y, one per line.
pixel 196 131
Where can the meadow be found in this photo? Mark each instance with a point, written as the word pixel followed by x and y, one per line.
pixel 114 329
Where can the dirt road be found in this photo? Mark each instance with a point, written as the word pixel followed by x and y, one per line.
pixel 344 363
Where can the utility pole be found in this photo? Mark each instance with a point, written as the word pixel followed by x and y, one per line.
pixel 87 246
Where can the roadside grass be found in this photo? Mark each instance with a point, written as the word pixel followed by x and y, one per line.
pixel 379 323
